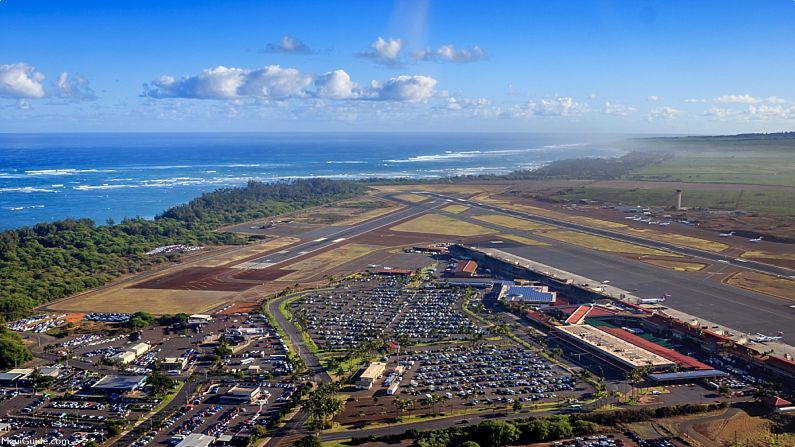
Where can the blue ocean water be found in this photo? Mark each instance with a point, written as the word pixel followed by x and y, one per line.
pixel 45 177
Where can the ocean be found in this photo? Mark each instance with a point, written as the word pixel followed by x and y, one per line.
pixel 46 177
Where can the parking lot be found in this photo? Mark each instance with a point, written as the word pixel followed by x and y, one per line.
pixel 40 432
pixel 207 415
pixel 483 375
pixel 369 307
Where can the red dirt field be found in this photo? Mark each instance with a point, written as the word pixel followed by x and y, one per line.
pixel 196 278
pixel 268 274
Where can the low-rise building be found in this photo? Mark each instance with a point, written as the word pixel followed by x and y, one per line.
pixel 123 357
pixel 178 363
pixel 197 440
pixel 196 319
pixel 532 294
pixel 238 395
pixel 119 384
pixel 370 375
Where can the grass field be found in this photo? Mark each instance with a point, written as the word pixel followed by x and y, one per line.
pixel 511 222
pixel 680 266
pixel 455 209
pixel 769 255
pixel 757 201
pixel 679 239
pixel 327 261
pixel 413 198
pixel 438 224
pixel 154 301
pixel 524 240
pixel 772 166
pixel 760 282
pixel 247 251
pixel 601 243
pixel 370 214
pixel 598 223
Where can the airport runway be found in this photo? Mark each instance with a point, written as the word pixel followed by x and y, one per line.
pixel 739 309
pixel 329 236
pixel 709 256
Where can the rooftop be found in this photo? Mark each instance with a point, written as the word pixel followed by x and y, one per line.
pixel 120 383
pixel 615 347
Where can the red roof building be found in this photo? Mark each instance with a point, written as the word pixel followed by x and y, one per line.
pixel 684 361
pixel 465 269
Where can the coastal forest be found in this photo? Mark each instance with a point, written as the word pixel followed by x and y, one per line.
pixel 53 260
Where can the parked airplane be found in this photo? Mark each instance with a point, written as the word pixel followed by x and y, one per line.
pixel 654 300
pixel 758 239
pixel 665 224
pixel 762 338
pixel 729 234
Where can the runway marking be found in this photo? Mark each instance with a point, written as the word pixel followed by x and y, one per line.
pixel 339 239
pixel 320 239
pixel 283 252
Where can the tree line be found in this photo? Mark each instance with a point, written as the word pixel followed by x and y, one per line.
pixel 53 260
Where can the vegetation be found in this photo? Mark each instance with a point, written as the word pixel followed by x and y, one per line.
pixel 53 260
pixel 258 200
pixel 592 168
pixel 160 384
pixel 323 404
pixel 495 433
pixel 12 352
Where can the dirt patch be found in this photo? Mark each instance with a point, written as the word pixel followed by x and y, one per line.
pixel 195 278
pixel 328 260
pixel 680 266
pixel 248 252
pixel 155 301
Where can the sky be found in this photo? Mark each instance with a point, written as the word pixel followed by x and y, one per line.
pixel 636 66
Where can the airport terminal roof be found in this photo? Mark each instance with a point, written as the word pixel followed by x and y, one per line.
pixel 528 294
pixel 686 375
pixel 682 360
pixel 613 346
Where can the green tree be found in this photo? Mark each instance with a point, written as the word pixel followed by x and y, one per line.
pixel 496 433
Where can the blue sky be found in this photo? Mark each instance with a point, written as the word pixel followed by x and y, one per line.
pixel 636 66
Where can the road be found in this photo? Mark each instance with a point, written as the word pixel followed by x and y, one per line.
pixel 317 373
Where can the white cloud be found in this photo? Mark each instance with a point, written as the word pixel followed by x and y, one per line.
pixel 20 80
pixel 720 113
pixel 288 44
pixel 766 113
pixel 653 98
pixel 449 53
pixel 557 106
pixel 617 109
pixel 403 88
pixel 278 83
pixel 694 100
pixel 384 51
pixel 75 87
pixel 664 113
pixel 336 85
pixel 271 82
pixel 737 99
